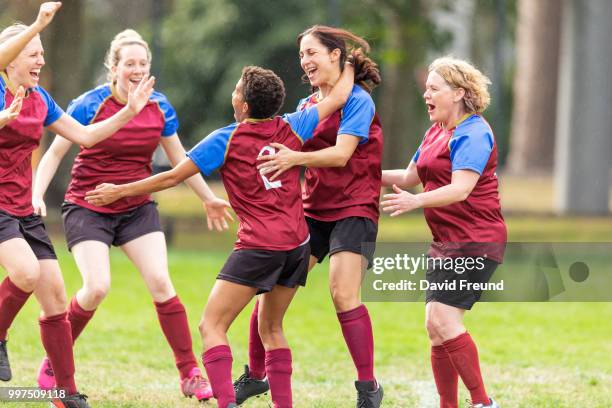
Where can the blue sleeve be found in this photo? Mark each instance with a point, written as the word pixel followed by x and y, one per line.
pixel 301 104
pixel 53 110
pixel 416 155
pixel 209 154
pixel 81 111
pixel 357 115
pixel 85 107
pixel 171 123
pixel 470 150
pixel 2 93
pixel 303 122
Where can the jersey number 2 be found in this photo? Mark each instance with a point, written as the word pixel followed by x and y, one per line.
pixel 269 184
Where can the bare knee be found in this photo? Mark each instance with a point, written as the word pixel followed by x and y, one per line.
pixel 95 294
pixel 432 332
pixel 25 276
pixel 160 287
pixel 344 300
pixel 269 331
pixel 202 328
pixel 441 328
pixel 212 333
pixel 57 299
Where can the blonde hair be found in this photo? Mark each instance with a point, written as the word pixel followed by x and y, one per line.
pixel 12 31
pixel 121 40
pixel 461 74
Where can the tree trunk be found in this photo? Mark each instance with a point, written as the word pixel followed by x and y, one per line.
pixel 532 136
pixel 403 79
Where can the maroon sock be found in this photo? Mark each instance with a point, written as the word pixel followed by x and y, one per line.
pixel 218 364
pixel 57 340
pixel 446 377
pixel 464 355
pixel 12 300
pixel 278 368
pixel 257 353
pixel 78 318
pixel 173 321
pixel 357 331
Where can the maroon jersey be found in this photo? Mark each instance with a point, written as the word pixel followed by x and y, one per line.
pixel 271 214
pixel 478 219
pixel 334 193
pixel 125 156
pixel 18 139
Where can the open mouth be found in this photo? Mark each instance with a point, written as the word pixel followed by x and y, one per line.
pixel 310 72
pixel 430 107
pixel 135 81
pixel 35 75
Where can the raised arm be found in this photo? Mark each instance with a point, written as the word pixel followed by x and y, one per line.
pixel 105 194
pixel 339 93
pixel 358 112
pixel 216 208
pixel 46 170
pixel 10 49
pixel 89 135
pixel 403 178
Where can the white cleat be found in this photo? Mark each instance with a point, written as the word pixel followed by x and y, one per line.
pixel 492 404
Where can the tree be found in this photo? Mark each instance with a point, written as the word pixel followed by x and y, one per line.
pixel 208 43
pixel 535 87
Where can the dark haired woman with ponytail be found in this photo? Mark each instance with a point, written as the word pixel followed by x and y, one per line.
pixel 341 194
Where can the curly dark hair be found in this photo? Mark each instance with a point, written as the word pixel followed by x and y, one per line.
pixel 263 91
pixel 352 48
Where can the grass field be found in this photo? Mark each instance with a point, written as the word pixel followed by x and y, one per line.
pixel 536 355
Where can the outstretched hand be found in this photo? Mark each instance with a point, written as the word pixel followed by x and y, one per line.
pixel 217 214
pixel 104 194
pixel 400 202
pixel 47 12
pixel 12 112
pixel 139 96
pixel 279 162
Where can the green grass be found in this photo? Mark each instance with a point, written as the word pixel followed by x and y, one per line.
pixel 540 355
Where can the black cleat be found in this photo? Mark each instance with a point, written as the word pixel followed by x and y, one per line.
pixel 5 367
pixel 71 401
pixel 369 394
pixel 246 387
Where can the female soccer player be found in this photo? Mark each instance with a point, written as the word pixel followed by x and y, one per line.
pixel 271 253
pixel 26 252
pixel 456 164
pixel 341 196
pixel 131 223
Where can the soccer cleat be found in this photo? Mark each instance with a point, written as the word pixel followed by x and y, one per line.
pixel 492 404
pixel 196 386
pixel 71 401
pixel 232 405
pixel 246 387
pixel 5 367
pixel 46 378
pixel 369 394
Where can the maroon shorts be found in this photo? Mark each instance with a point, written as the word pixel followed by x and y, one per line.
pixel 262 269
pixel 32 229
pixel 82 224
